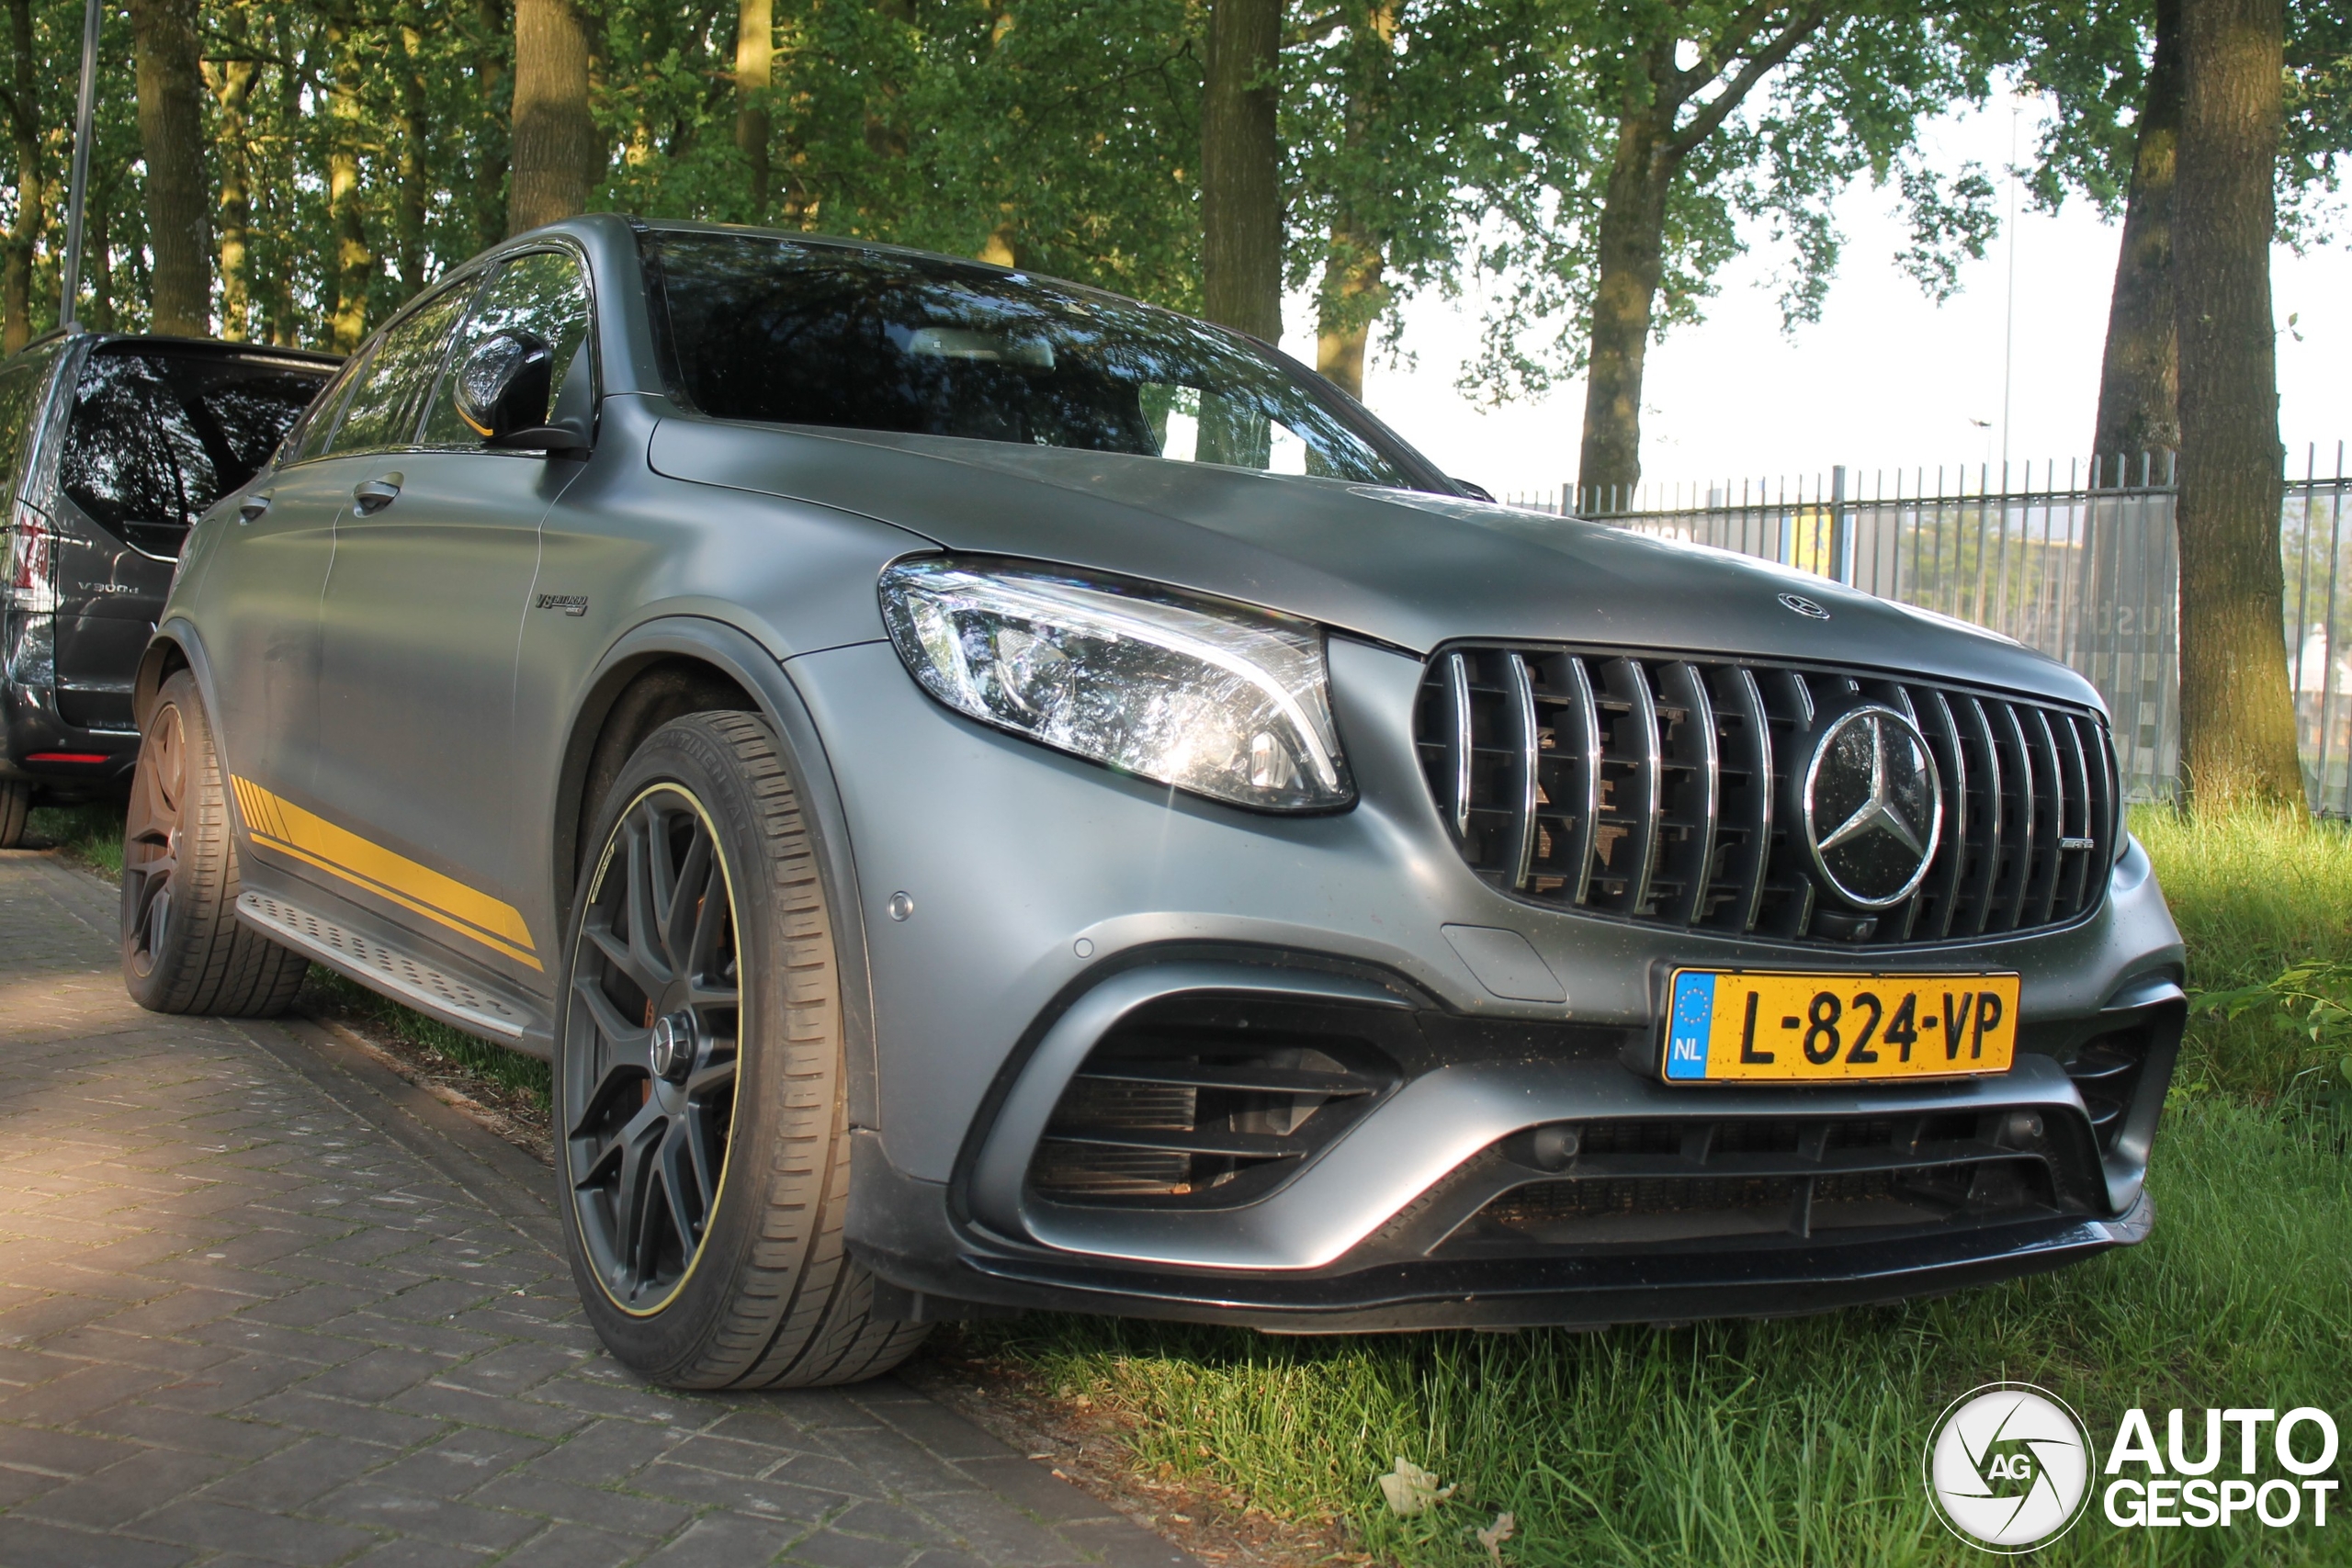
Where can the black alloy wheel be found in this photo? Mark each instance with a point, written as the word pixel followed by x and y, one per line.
pixel 150 841
pixel 651 1053
pixel 702 1079
pixel 183 950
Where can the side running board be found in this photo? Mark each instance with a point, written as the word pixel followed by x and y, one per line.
pixel 424 988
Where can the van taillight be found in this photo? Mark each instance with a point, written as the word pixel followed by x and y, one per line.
pixel 32 561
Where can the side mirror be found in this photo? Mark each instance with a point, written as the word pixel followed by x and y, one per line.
pixel 501 391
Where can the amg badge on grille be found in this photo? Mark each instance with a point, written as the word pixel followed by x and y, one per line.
pixel 1874 806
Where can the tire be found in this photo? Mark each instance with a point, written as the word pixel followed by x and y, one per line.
pixel 16 805
pixel 183 950
pixel 703 1165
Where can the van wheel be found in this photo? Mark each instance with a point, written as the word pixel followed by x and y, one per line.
pixel 701 1106
pixel 16 805
pixel 184 949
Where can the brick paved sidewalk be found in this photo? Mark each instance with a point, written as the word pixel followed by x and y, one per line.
pixel 262 1302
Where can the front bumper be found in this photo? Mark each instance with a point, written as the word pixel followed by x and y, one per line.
pixel 1051 899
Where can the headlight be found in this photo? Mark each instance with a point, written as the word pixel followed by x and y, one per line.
pixel 1215 698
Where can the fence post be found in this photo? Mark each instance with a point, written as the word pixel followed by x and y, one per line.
pixel 1838 571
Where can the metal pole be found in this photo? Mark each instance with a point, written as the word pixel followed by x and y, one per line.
pixel 1837 571
pixel 69 291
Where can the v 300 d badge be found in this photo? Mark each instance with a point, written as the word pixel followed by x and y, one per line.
pixel 991 794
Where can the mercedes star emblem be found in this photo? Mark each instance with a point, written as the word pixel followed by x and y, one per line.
pixel 1874 806
pixel 1804 606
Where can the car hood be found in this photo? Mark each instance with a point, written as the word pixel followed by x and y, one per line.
pixel 1399 566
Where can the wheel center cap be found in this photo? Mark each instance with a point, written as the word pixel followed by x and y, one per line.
pixel 673 1045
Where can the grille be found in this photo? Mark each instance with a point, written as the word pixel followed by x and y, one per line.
pixel 1631 1180
pixel 1664 791
pixel 1199 1115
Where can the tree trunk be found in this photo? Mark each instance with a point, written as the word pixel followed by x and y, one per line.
pixel 415 171
pixel 556 152
pixel 25 129
pixel 1352 298
pixel 355 258
pixel 232 85
pixel 754 74
pixel 1242 212
pixel 171 137
pixel 496 28
pixel 2237 716
pixel 1631 258
pixel 2139 375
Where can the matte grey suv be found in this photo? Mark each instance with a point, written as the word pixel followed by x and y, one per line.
pixel 994 796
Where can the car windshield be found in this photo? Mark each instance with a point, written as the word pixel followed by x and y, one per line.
pixel 764 328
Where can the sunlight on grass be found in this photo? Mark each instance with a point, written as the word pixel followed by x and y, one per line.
pixel 2251 894
pixel 90 833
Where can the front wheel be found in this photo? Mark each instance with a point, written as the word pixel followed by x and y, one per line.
pixel 702 1138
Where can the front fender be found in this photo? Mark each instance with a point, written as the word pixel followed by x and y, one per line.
pixel 736 653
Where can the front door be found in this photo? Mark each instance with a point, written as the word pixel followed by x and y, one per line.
pixel 433 567
pixel 261 608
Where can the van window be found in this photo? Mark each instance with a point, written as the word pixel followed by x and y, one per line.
pixel 158 434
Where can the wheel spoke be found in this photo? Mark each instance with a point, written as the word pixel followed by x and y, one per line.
pixel 686 1193
pixel 689 900
pixel 636 1213
pixel 646 853
pixel 621 955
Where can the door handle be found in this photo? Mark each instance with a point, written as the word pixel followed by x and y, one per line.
pixel 250 508
pixel 373 496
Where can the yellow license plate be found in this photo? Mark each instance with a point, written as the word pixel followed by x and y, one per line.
pixel 1735 1025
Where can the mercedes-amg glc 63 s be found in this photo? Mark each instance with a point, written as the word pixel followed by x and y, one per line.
pixel 993 795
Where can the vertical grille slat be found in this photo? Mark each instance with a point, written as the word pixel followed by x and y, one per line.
pixel 1459 744
pixel 2050 818
pixel 1985 841
pixel 1653 788
pixel 1747 750
pixel 1525 768
pixel 1697 783
pixel 1940 893
pixel 1634 796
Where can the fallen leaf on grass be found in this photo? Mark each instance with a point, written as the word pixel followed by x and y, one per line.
pixel 1411 1490
pixel 1494 1535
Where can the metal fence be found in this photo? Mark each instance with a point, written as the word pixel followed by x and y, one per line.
pixel 2082 566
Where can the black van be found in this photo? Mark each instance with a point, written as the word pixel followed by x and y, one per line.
pixel 110 448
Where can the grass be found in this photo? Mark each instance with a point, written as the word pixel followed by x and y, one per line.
pixel 1798 1442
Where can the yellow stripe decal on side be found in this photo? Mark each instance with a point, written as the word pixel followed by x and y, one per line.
pixel 279 824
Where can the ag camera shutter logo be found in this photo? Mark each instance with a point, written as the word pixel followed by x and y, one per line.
pixel 2008 1467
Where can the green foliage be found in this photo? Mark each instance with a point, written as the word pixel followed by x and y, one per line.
pixel 1846 104
pixel 90 833
pixel 2258 898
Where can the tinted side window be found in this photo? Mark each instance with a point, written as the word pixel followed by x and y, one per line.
pixel 391 392
pixel 156 436
pixel 315 431
pixel 541 293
